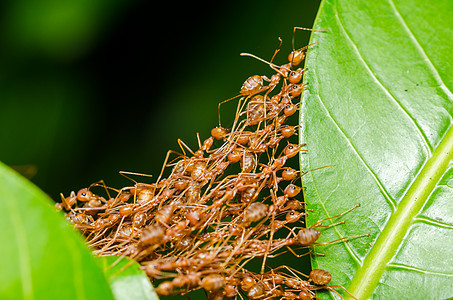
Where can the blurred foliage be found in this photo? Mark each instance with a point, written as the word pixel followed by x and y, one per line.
pixel 88 88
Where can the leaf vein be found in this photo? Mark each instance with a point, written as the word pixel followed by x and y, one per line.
pixel 346 245
pixel 420 49
pixel 418 270
pixel 386 91
pixel 389 199
pixel 429 221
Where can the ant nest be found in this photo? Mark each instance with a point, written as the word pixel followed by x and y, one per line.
pixel 220 207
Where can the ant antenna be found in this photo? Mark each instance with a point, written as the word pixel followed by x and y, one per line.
pixel 278 49
pixel 259 58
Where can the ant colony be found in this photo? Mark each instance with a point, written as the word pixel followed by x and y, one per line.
pixel 231 201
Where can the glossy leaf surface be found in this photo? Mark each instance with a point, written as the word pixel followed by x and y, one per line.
pixel 41 256
pixel 126 279
pixel 380 108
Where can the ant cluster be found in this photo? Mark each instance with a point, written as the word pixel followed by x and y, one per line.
pixel 220 207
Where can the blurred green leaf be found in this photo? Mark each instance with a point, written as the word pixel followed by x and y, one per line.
pixel 126 279
pixel 41 256
pixel 380 108
pixel 61 29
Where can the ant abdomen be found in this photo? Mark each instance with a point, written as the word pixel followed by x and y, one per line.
pixel 256 291
pixel 255 212
pixel 198 170
pixel 126 231
pixel 248 194
pixel 144 195
pixel 184 242
pixel 218 133
pixel 93 203
pixel 308 236
pixel 243 138
pixel 247 283
pixel 305 295
pixel 165 288
pixel 126 210
pixel 255 111
pixel 248 162
pixel 296 57
pixel 152 235
pixel 320 276
pixel 252 85
pixel 234 156
pixel 212 282
pixel 139 220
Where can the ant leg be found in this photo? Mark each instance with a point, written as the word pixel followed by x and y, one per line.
pixel 101 183
pixel 114 237
pixel 308 29
pixel 199 141
pixel 317 224
pixel 331 225
pixel 183 145
pixel 165 162
pixel 239 111
pixel 271 237
pixel 302 255
pixel 225 101
pixel 123 173
pixel 331 288
pixel 292 271
pixel 303 28
pixel 316 169
pixel 66 203
pixel 343 239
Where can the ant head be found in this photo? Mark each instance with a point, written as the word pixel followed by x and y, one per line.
pixel 84 195
pixel 218 133
pixel 296 56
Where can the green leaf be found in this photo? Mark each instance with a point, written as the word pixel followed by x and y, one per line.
pixel 41 256
pixel 380 107
pixel 126 279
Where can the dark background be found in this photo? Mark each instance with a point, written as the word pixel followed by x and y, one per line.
pixel 89 88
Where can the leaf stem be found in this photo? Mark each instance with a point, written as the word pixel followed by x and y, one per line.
pixel 368 275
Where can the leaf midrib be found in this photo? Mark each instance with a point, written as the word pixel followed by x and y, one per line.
pixel 367 276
